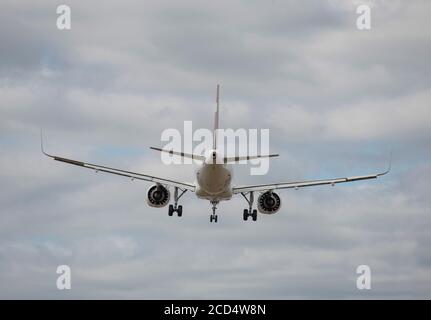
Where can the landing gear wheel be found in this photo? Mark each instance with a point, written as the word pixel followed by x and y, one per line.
pixel 213 217
pixel 254 215
pixel 175 207
pixel 249 212
pixel 245 215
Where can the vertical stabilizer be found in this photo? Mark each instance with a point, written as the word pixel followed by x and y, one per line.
pixel 216 119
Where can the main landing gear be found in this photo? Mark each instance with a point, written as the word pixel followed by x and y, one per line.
pixel 249 212
pixel 213 217
pixel 175 207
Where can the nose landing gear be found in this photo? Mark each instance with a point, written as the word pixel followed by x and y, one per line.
pixel 213 217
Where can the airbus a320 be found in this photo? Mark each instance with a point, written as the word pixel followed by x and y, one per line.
pixel 213 181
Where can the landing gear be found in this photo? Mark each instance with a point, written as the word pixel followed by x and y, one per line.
pixel 175 207
pixel 249 212
pixel 252 214
pixel 213 217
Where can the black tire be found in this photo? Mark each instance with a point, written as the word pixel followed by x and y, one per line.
pixel 215 218
pixel 245 215
pixel 180 211
pixel 211 218
pixel 254 215
pixel 171 210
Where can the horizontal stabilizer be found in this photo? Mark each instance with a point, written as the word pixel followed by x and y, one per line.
pixel 181 154
pixel 245 158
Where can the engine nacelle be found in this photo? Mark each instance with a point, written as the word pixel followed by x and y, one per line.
pixel 268 203
pixel 158 196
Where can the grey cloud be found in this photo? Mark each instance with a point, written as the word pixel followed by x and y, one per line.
pixel 335 99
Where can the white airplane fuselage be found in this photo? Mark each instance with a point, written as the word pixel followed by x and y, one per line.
pixel 213 179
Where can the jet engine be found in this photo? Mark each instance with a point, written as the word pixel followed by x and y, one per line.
pixel 268 203
pixel 158 196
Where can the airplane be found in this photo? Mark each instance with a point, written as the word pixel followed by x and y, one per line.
pixel 213 180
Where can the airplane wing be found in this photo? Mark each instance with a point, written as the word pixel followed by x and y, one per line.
pixel 124 173
pixel 309 183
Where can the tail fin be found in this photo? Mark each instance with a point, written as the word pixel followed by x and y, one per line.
pixel 216 119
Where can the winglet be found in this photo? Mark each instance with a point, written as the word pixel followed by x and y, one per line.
pixel 41 144
pixel 389 166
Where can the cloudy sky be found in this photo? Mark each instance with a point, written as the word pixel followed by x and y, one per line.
pixel 335 99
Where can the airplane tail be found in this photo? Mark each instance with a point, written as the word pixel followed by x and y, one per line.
pixel 216 119
pixel 236 159
pixel 215 132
